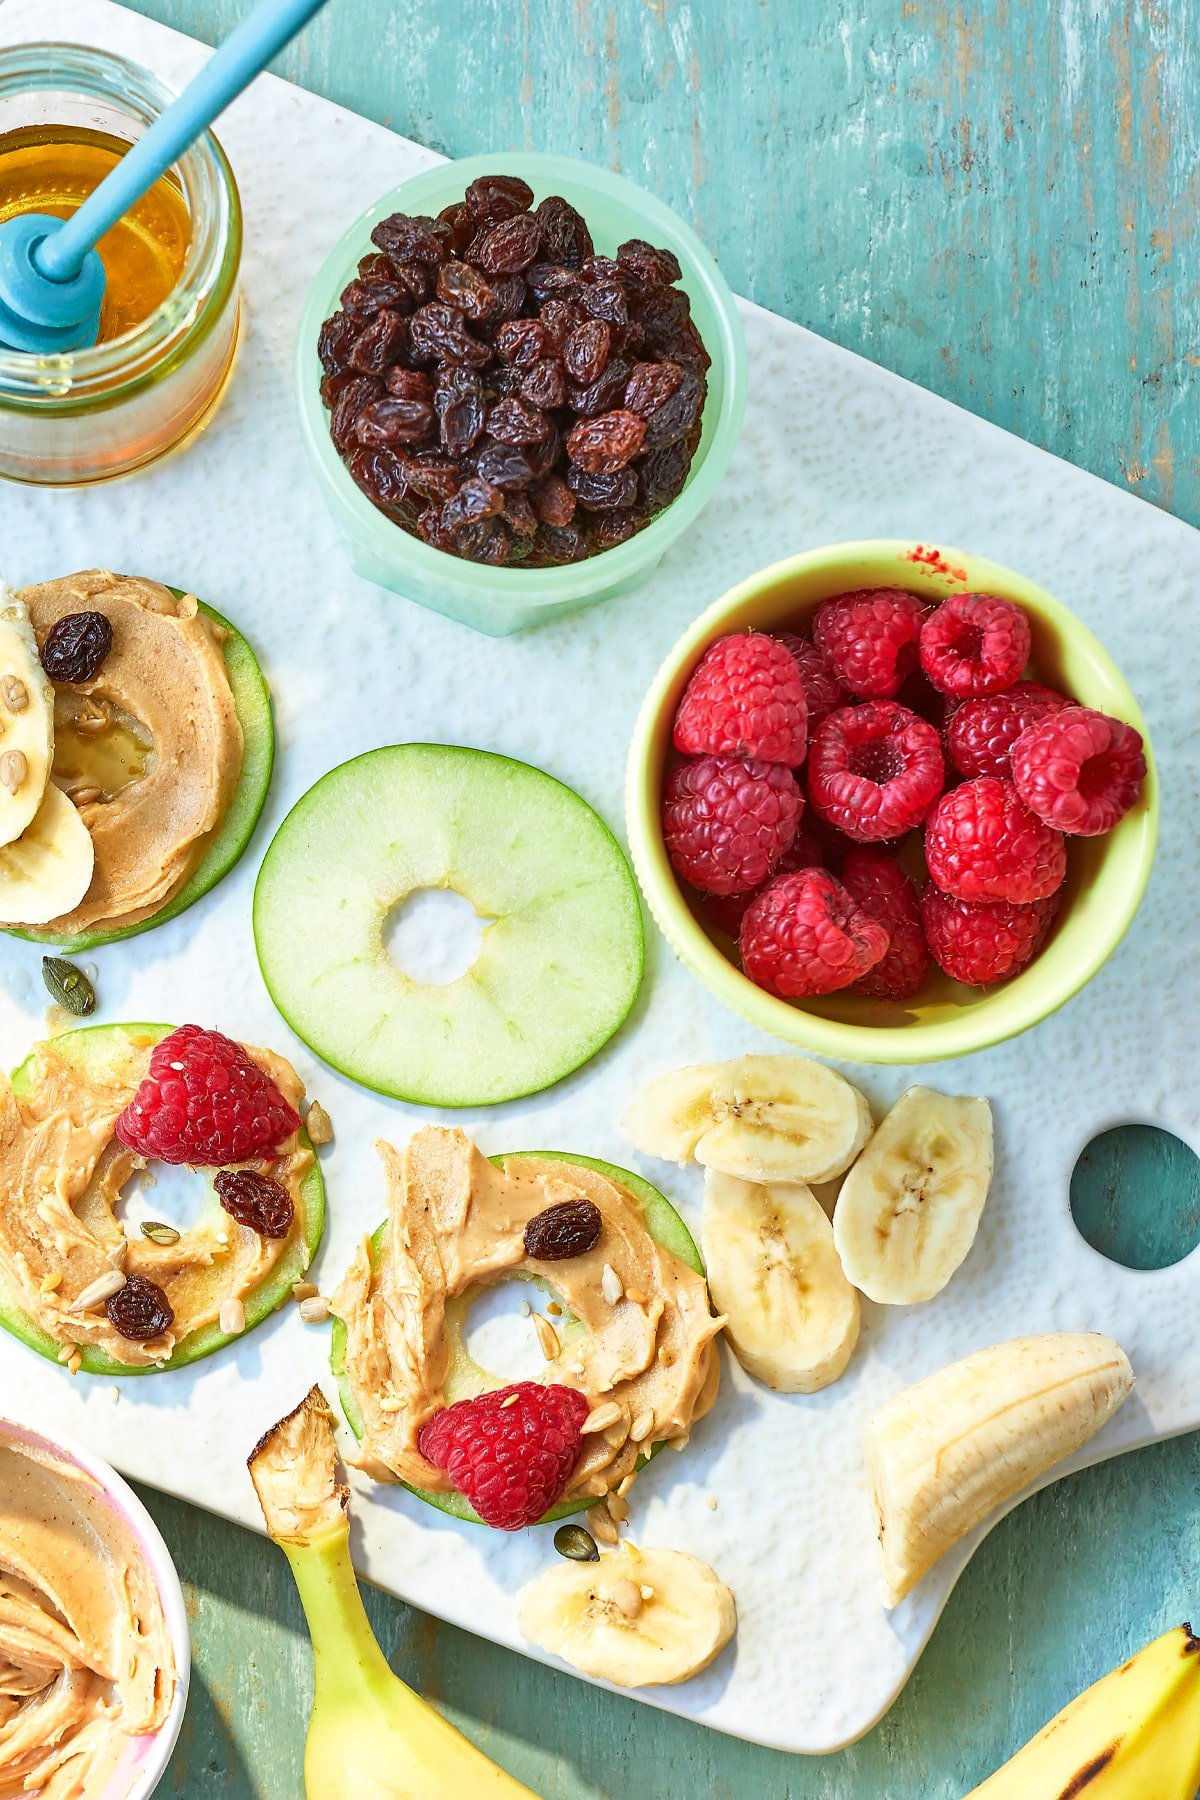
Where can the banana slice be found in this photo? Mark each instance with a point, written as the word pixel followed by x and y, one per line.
pixel 48 870
pixel 945 1453
pixel 636 1618
pixel 792 1317
pixel 763 1118
pixel 910 1207
pixel 26 720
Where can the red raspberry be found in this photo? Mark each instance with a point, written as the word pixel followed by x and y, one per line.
pixel 726 911
pixel 974 644
pixel 882 889
pixel 822 690
pixel 745 698
pixel 983 843
pixel 869 638
pixel 806 935
pixel 982 941
pixel 875 770
pixel 205 1102
pixel 726 823
pixel 511 1461
pixel 1079 770
pixel 982 732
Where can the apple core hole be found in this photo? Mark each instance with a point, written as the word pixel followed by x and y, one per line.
pixel 500 1335
pixel 433 936
pixel 167 1193
pixel 1135 1196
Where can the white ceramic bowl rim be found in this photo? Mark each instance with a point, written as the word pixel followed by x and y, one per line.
pixel 151 1753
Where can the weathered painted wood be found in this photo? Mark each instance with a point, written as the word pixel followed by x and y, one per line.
pixel 997 201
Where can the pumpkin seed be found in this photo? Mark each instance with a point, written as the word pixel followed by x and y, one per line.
pixel 158 1233
pixel 68 986
pixel 575 1542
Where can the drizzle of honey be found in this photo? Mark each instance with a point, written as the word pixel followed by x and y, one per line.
pixel 99 749
pixel 53 168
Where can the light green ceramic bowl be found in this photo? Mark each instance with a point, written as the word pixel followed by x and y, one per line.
pixel 500 601
pixel 1106 876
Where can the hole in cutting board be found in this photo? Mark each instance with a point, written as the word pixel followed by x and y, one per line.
pixel 1135 1196
pixel 433 935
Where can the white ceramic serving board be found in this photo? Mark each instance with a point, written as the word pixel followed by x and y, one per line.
pixel 833 448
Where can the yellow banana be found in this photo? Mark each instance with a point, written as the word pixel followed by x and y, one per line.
pixel 370 1737
pixel 1135 1735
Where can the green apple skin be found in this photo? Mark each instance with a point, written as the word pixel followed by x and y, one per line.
pixel 664 1225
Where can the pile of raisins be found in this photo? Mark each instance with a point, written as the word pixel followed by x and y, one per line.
pixel 502 392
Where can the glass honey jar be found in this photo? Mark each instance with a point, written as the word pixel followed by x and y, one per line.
pixel 168 331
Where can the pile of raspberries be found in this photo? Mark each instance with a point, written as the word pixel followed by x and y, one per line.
pixel 898 716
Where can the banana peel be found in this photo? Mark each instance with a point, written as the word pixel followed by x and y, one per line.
pixel 1134 1735
pixel 370 1736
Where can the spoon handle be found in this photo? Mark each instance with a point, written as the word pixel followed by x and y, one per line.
pixel 244 54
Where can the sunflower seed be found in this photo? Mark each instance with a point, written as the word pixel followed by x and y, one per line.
pixel 627 1598
pixel 618 1508
pixel 98 1291
pixel 642 1426
pixel 610 1284
pixel 547 1337
pixel 601 1417
pixel 601 1525
pixel 318 1124
pixel 232 1316
pixel 314 1310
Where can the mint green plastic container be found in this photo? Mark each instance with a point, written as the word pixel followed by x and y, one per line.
pixel 500 601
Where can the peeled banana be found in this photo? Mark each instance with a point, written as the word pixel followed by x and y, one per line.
pixel 370 1737
pixel 762 1118
pixel 48 869
pixel 26 720
pixel 636 1618
pixel 1135 1735
pixel 948 1451
pixel 792 1317
pixel 909 1209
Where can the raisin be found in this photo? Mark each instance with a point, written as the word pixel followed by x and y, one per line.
pixel 380 475
pixel 475 499
pixel 504 381
pixel 662 311
pixel 663 474
pixel 522 341
pixel 76 646
pixel 683 346
pixel 255 1201
pixel 544 384
pixel 649 384
pixel 510 295
pixel 415 281
pixel 600 491
pixel 601 268
pixel 482 540
pixel 333 385
pixel 519 515
pixel 565 236
pixel 504 466
pixel 140 1310
pixel 586 351
pixel 393 421
pixel 408 384
pixel 561 543
pixel 334 340
pixel 433 477
pixel 604 445
pixel 438 333
pixel 350 402
pixel 491 198
pixel 363 299
pixel 460 223
pixel 571 1228
pixel 380 345
pixel 560 317
pixel 640 262
pixel 430 527
pixel 677 415
pixel 462 416
pixel 553 501
pixel 376 267
pixel 602 394
pixel 466 288
pixel 511 421
pixel 411 240
pixel 612 528
pixel 550 281
pixel 606 300
pixel 545 456
pixel 509 247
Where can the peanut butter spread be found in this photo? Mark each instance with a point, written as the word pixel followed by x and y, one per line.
pixel 635 1330
pixel 62 1170
pixel 150 749
pixel 85 1657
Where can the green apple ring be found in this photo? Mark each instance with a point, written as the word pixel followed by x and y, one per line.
pixel 84 1045
pixel 662 1222
pixel 252 704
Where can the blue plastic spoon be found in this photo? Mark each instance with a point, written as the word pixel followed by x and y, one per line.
pixel 51 275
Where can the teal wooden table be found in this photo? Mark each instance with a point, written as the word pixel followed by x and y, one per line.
pixel 997 201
